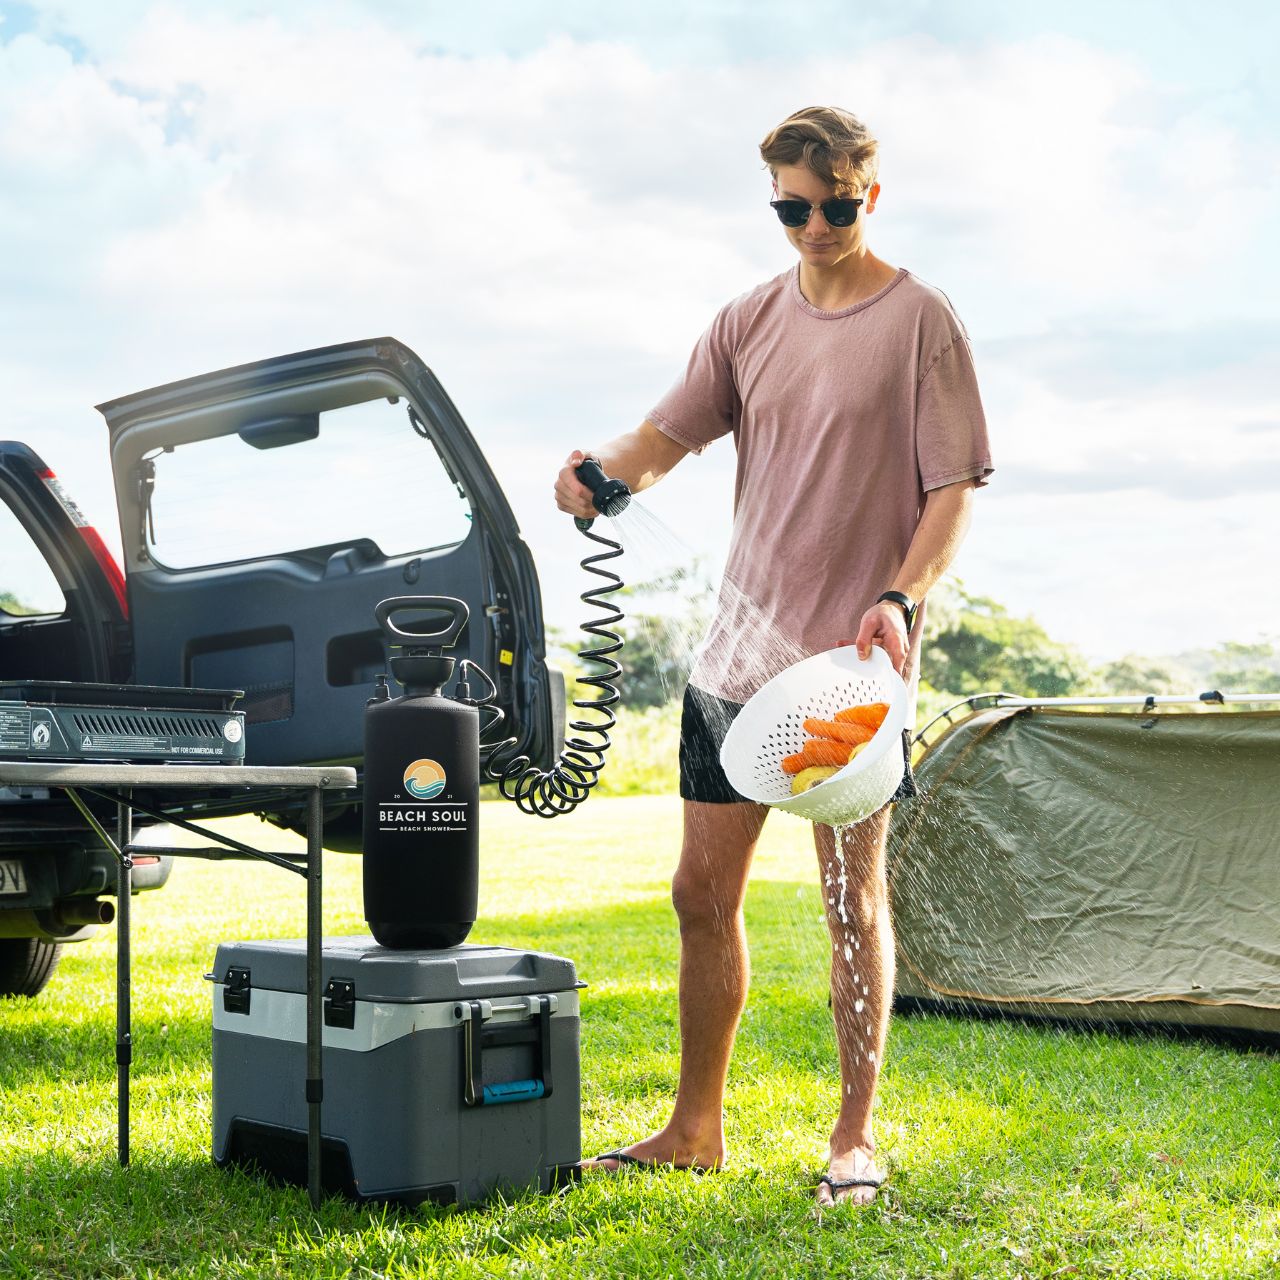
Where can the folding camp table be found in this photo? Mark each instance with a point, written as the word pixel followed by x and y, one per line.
pixel 114 783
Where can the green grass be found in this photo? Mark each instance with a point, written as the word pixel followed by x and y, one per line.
pixel 1016 1152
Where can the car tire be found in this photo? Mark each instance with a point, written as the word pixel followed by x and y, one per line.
pixel 26 965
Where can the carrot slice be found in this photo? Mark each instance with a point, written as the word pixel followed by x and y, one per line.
pixel 824 751
pixel 821 751
pixel 817 751
pixel 871 714
pixel 854 733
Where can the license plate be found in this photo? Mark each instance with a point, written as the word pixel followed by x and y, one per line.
pixel 12 877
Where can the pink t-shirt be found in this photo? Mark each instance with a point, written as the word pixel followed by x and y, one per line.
pixel 843 420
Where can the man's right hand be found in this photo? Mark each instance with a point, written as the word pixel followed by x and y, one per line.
pixel 572 495
pixel 638 458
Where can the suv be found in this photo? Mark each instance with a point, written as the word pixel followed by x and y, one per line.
pixel 264 511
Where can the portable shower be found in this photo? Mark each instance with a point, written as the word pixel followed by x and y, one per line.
pixel 422 756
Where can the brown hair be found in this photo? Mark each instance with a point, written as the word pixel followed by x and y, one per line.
pixel 832 144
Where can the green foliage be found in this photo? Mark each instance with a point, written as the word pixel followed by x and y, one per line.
pixel 9 603
pixel 1135 674
pixel 972 644
pixel 644 756
pixel 663 621
pixel 659 655
pixel 1240 668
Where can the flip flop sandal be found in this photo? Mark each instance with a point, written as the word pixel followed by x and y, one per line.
pixel 842 1184
pixel 625 1158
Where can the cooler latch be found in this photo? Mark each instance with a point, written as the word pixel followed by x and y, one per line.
pixel 477 1037
pixel 236 991
pixel 340 1003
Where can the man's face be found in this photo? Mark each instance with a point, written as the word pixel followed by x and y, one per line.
pixel 818 243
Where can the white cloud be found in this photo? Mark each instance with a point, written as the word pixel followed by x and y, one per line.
pixel 1059 180
pixel 552 231
pixel 1131 525
pixel 1132 572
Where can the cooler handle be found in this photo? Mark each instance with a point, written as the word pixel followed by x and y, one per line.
pixel 476 1037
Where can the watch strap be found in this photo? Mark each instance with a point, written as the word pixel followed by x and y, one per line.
pixel 904 602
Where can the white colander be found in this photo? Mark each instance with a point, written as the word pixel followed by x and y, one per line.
pixel 771 725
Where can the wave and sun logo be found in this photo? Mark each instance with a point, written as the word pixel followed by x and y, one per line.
pixel 424 779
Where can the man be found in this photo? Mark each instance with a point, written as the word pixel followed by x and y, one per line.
pixel 849 388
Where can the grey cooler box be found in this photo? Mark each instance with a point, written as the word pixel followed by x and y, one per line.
pixel 448 1074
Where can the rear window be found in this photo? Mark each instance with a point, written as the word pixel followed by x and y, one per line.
pixel 27 584
pixel 368 474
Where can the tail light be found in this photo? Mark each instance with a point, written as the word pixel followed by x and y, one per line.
pixel 92 540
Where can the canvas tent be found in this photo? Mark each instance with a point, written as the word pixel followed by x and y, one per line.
pixel 1094 864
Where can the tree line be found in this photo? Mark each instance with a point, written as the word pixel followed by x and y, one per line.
pixel 972 644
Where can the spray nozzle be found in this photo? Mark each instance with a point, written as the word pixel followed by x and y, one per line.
pixel 609 497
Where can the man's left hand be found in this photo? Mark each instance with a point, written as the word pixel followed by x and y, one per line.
pixel 883 624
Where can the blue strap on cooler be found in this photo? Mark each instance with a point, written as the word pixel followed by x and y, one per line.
pixel 513 1091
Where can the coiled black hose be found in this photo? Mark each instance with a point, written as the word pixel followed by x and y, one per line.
pixel 560 789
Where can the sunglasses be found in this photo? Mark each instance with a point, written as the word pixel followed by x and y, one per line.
pixel 838 212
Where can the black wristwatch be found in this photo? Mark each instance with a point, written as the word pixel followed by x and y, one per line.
pixel 905 602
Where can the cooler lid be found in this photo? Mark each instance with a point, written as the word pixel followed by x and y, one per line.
pixel 468 972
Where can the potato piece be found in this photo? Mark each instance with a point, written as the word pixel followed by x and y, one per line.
pixel 811 776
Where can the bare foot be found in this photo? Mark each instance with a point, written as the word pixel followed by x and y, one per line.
pixel 855 1165
pixel 665 1149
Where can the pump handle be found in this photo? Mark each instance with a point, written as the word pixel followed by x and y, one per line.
pixel 457 609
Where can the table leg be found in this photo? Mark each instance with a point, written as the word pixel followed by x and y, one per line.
pixel 124 1035
pixel 315 929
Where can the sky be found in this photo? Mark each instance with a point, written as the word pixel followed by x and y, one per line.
pixel 549 202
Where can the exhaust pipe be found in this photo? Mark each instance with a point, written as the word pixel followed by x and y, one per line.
pixel 58 924
pixel 78 912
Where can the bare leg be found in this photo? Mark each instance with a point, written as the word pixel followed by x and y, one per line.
pixel 708 891
pixel 857 906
